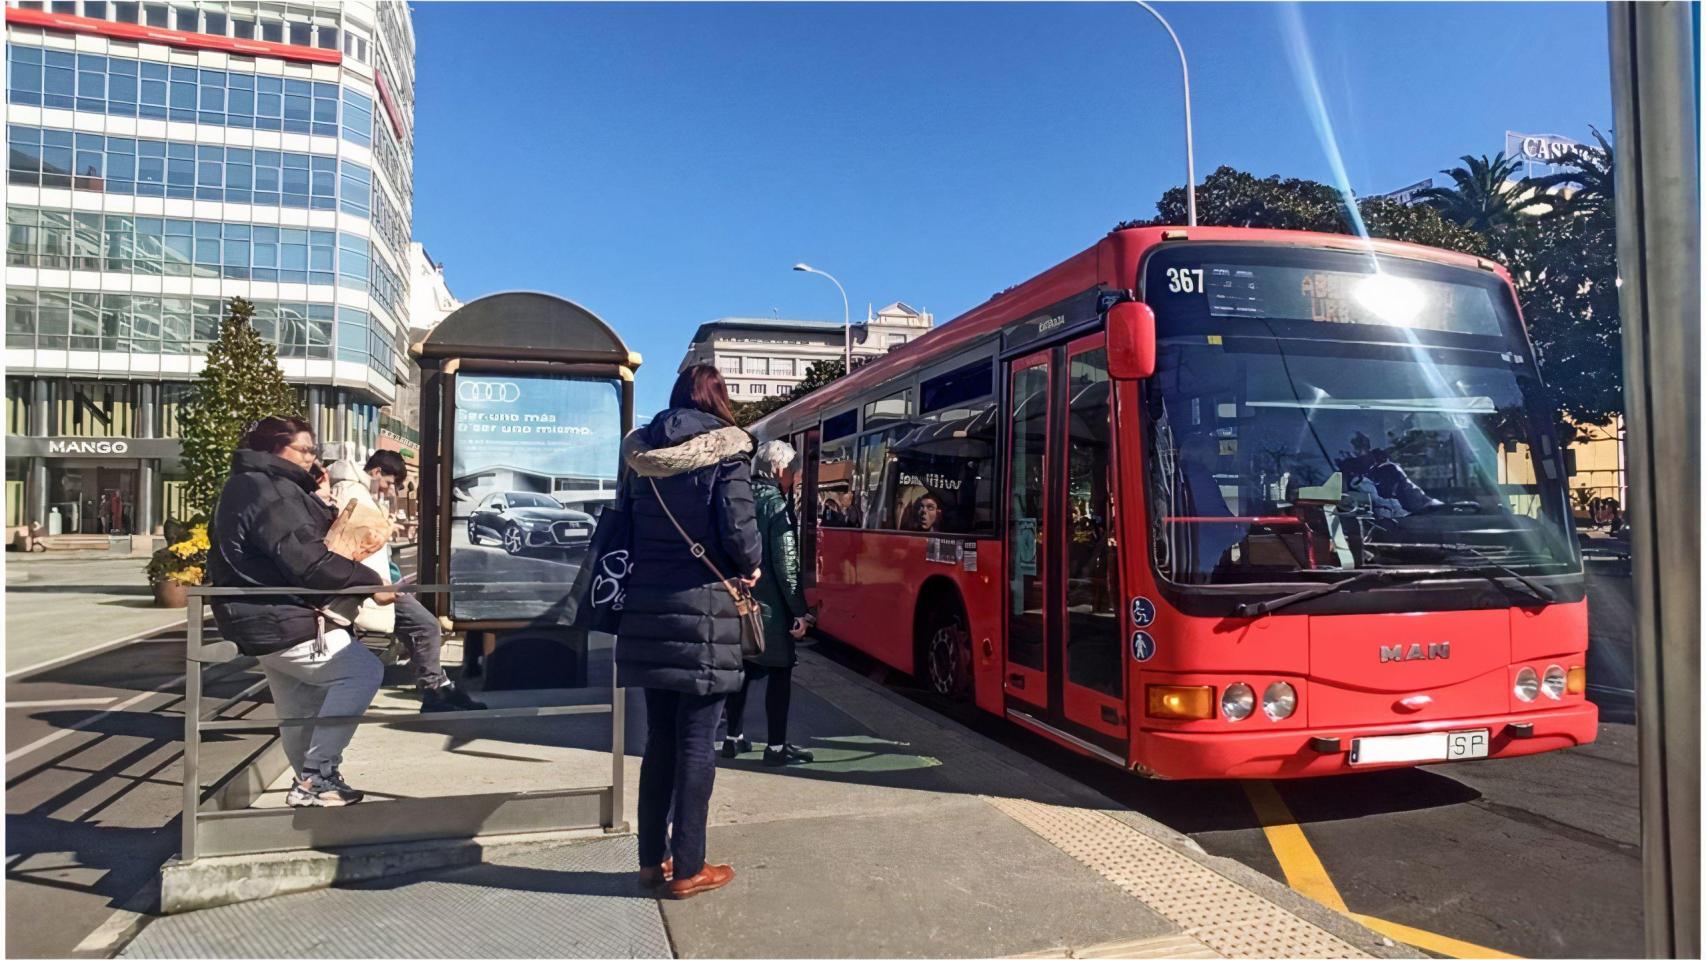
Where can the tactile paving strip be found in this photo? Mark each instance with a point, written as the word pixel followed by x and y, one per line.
pixel 578 900
pixel 1230 919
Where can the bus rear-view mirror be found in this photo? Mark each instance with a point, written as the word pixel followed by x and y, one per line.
pixel 1131 341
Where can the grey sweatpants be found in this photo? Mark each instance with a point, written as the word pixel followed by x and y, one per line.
pixel 420 632
pixel 338 683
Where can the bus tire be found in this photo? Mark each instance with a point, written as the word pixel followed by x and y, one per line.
pixel 944 645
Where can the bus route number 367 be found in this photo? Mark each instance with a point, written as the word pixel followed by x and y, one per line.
pixel 1184 280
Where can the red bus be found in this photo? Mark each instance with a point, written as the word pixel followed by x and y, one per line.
pixel 1213 502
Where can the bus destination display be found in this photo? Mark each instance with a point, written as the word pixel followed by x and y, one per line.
pixel 1334 296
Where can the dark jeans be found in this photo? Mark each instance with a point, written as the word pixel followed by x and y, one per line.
pixel 418 629
pixel 675 778
pixel 778 692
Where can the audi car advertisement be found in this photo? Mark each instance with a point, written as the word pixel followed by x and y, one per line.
pixel 534 461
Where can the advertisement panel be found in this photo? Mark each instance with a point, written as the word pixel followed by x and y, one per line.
pixel 534 461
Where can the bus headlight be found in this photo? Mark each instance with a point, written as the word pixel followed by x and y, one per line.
pixel 1552 684
pixel 1238 701
pixel 1180 703
pixel 1527 685
pixel 1577 681
pixel 1279 700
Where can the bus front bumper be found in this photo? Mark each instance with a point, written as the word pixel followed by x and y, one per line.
pixel 1325 752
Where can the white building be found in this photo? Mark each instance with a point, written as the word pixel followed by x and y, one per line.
pixel 430 299
pixel 764 357
pixel 164 158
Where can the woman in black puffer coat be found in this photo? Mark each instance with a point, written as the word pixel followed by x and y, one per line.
pixel 680 634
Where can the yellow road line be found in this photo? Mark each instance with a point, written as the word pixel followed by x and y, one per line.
pixel 1459 949
pixel 1305 874
pixel 1303 869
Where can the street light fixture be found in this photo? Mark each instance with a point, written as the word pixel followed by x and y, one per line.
pixel 1190 149
pixel 846 318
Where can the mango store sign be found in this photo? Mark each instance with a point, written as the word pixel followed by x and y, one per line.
pixel 98 447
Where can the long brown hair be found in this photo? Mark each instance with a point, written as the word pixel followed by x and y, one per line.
pixel 701 387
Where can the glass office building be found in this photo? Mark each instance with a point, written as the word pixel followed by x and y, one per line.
pixel 163 158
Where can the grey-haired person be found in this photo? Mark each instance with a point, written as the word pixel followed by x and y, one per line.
pixel 785 615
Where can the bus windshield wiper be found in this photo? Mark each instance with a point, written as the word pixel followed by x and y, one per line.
pixel 1498 573
pixel 1487 567
pixel 1264 607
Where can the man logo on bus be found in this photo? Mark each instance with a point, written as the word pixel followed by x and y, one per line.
pixel 488 391
pixel 1434 651
pixel 1142 646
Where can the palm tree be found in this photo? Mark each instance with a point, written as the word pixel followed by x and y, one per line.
pixel 1485 194
pixel 1592 174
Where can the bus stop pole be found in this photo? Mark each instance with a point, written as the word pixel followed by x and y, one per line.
pixel 1654 70
pixel 192 730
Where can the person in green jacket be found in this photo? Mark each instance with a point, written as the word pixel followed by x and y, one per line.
pixel 785 614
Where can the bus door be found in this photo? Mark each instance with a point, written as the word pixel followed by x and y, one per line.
pixel 1064 663
pixel 804 497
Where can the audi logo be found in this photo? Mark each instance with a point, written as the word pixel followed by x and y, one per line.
pixel 488 391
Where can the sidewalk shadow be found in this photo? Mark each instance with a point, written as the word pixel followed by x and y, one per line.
pixel 144 666
pixel 119 860
pixel 521 879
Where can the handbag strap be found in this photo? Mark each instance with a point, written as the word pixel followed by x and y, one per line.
pixel 694 546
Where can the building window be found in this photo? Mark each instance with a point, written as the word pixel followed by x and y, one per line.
pixel 155 168
pixel 781 367
pixel 123 87
pixel 734 389
pixel 759 389
pixel 758 366
pixel 728 365
pixel 125 323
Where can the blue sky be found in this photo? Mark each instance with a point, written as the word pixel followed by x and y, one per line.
pixel 665 165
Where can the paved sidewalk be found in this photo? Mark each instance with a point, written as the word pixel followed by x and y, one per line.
pixel 911 836
pixel 59 605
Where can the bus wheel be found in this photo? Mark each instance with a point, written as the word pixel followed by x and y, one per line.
pixel 947 651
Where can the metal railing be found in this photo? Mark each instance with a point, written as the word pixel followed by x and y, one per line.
pixel 218 821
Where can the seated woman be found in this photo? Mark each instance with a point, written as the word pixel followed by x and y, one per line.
pixel 269 530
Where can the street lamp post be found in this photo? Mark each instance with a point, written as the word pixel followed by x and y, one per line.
pixel 1190 149
pixel 846 318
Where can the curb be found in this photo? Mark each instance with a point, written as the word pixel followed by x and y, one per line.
pixel 24 673
pixel 218 881
pixel 1247 877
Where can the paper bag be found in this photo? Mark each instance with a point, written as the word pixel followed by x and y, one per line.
pixel 360 530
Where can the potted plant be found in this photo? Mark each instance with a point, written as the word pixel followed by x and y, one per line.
pixel 181 563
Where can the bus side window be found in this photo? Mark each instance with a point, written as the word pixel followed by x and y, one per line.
pixel 835 506
pixel 835 483
pixel 944 460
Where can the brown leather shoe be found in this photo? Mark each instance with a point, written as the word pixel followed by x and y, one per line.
pixel 652 876
pixel 714 875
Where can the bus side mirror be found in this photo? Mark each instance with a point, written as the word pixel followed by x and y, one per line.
pixel 1131 341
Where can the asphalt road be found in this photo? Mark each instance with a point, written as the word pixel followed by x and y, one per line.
pixel 1535 856
pixel 94 751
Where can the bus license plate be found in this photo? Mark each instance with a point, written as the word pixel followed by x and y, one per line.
pixel 1421 747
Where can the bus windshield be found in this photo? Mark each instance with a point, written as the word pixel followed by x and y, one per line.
pixel 1317 412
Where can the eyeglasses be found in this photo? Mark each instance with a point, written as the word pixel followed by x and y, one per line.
pixel 309 450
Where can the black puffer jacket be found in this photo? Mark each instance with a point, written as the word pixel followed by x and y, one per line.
pixel 270 530
pixel 679 627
